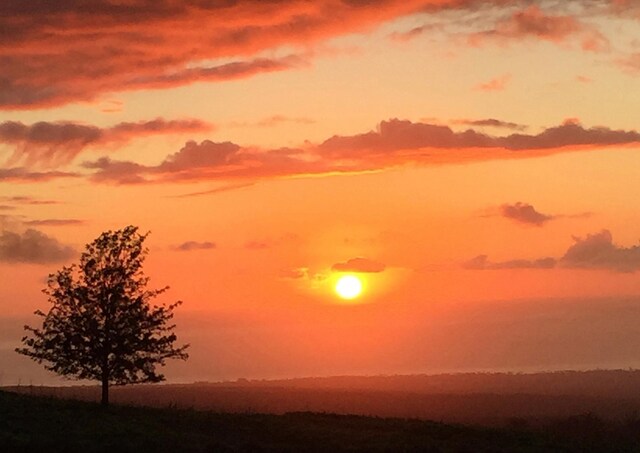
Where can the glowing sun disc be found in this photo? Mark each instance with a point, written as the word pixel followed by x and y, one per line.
pixel 349 287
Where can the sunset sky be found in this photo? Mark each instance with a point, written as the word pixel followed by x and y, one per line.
pixel 476 164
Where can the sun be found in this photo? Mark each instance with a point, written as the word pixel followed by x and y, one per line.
pixel 349 287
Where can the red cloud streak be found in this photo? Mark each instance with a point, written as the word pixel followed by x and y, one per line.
pixel 53 53
pixel 56 52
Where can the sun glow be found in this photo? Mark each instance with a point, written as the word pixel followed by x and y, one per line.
pixel 348 287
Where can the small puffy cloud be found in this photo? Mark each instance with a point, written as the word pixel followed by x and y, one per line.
pixel 256 245
pixel 598 251
pixel 32 246
pixel 122 172
pixel 265 243
pixel 295 273
pixel 481 262
pixel 194 245
pixel 524 213
pixel 630 63
pixel 495 84
pixel 194 155
pixel 359 264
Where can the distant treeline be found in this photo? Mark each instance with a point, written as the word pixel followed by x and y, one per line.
pixel 600 383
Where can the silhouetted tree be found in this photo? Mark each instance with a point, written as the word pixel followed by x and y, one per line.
pixel 102 325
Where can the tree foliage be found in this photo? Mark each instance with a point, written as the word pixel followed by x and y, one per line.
pixel 102 325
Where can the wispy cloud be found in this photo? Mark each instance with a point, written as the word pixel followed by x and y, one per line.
pixel 55 143
pixel 53 222
pixel 272 121
pixel 21 199
pixel 534 23
pixel 215 190
pixel 492 122
pixel 23 175
pixel 481 262
pixel 135 45
pixel 496 84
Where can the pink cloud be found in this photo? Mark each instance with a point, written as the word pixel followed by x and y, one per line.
pixel 630 63
pixel 495 84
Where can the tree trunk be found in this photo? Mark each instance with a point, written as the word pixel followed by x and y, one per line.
pixel 105 391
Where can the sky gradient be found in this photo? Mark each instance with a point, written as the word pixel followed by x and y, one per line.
pixel 475 163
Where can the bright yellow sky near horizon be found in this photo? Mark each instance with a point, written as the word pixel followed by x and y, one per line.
pixel 259 300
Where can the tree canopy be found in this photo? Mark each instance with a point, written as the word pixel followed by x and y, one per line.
pixel 102 325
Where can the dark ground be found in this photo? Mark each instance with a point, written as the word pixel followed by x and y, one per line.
pixel 29 423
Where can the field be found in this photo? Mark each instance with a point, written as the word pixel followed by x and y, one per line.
pixel 475 412
pixel 488 399
pixel 35 423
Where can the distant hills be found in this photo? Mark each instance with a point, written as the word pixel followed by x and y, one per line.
pixel 602 383
pixel 482 398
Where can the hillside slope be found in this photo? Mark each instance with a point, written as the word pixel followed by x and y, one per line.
pixel 30 423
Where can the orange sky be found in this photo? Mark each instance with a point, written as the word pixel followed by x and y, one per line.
pixel 477 159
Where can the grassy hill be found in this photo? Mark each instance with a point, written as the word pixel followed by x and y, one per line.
pixel 29 423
